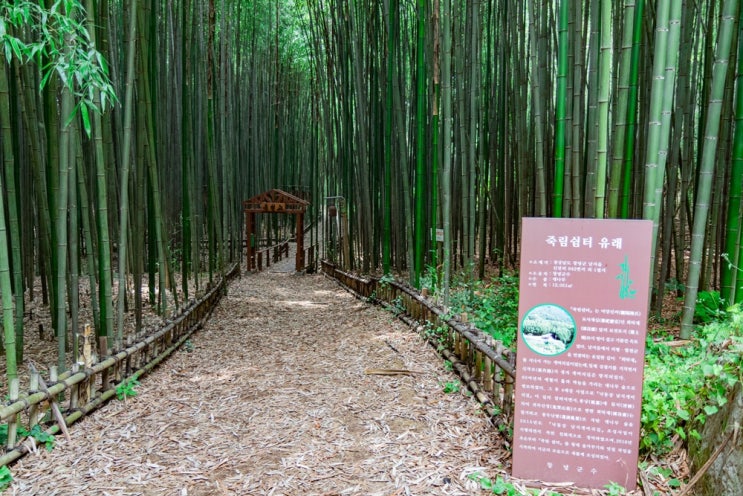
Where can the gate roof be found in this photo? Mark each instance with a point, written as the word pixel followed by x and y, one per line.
pixel 261 202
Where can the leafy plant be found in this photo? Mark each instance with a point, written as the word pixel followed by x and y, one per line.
pixel 499 486
pixel 36 432
pixel 435 335
pixel 615 489
pixel 663 473
pixel 683 386
pixel 188 346
pixel 496 487
pixel 398 307
pixel 80 67
pixel 675 285
pixel 451 387
pixel 41 436
pixel 709 307
pixel 125 389
pixel 430 279
pixel 6 478
pixel 495 307
pixel 386 280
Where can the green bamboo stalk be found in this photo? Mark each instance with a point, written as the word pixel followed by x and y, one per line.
pixel 620 122
pixel 125 167
pixel 392 24
pixel 472 169
pixel 577 163
pixel 560 108
pixel 60 227
pixel 38 177
pixel 157 236
pixel 538 117
pixel 420 154
pixel 435 130
pixel 74 153
pixel 186 153
pixel 86 215
pixel 9 334
pixel 212 194
pixel 629 147
pixel 651 210
pixel 446 155
pixel 104 325
pixel 13 216
pixel 593 27
pixel 461 160
pixel 707 166
pixel 605 63
pixel 669 87
pixel 361 169
pixel 731 277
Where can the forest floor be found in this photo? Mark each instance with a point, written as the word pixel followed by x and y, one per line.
pixel 281 393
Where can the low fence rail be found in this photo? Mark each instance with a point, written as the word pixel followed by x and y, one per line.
pixel 310 258
pixel 69 396
pixel 270 255
pixel 486 365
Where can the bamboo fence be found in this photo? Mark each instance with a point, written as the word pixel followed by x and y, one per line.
pixel 276 253
pixel 271 254
pixel 67 397
pixel 483 363
pixel 310 258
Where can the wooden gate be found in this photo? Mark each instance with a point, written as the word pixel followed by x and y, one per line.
pixel 274 201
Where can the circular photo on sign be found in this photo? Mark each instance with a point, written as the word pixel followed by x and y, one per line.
pixel 548 329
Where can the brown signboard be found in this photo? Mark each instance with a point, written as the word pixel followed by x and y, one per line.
pixel 581 346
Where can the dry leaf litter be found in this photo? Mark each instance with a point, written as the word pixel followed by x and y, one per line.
pixel 274 398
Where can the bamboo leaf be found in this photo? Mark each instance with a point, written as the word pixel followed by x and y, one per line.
pixel 17 47
pixel 45 79
pixel 86 118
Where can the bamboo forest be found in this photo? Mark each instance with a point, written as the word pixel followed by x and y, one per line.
pixel 398 142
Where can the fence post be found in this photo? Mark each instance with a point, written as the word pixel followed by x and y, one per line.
pixel 13 421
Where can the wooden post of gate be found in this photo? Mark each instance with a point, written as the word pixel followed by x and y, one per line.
pixel 250 249
pixel 299 259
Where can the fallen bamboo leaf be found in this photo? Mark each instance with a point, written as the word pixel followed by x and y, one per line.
pixel 391 372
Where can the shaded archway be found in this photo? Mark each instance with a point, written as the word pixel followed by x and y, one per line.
pixel 274 201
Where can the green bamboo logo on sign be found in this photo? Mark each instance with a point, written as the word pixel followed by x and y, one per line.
pixel 625 283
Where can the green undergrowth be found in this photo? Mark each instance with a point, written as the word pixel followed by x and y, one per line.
pixel 683 385
pixel 41 437
pixel 493 306
pixel 686 384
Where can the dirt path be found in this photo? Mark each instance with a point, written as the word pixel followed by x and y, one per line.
pixel 274 398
